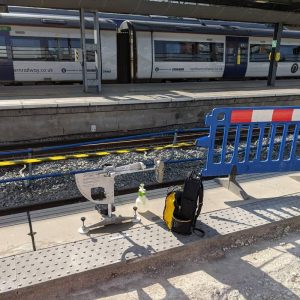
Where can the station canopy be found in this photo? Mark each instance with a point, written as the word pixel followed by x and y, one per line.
pixel 258 11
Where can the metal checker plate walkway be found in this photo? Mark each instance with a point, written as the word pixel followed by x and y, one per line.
pixel 51 263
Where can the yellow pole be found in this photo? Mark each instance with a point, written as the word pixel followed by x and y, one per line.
pixel 238 59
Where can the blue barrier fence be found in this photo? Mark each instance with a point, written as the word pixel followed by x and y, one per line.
pixel 244 133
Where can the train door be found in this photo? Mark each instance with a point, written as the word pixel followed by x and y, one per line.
pixel 6 62
pixel 123 53
pixel 236 57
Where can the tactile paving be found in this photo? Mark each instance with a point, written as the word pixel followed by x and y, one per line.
pixel 8 273
pixel 55 262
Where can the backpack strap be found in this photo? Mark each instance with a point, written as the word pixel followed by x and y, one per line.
pixel 200 204
pixel 195 221
pixel 199 230
pixel 200 194
pixel 197 213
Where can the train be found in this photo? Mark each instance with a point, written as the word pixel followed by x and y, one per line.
pixel 40 46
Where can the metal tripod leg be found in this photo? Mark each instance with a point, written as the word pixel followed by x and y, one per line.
pixel 232 185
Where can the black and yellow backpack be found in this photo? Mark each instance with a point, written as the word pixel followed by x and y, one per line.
pixel 182 208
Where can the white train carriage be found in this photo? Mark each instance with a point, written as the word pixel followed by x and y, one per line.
pixel 260 48
pixel 42 48
pixel 160 50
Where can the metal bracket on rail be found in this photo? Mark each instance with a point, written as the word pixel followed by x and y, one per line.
pixel 98 187
pixel 232 184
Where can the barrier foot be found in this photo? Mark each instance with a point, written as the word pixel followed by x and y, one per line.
pixel 232 185
pixel 297 178
pixel 83 230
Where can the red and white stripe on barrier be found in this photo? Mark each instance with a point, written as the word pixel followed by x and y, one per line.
pixel 265 115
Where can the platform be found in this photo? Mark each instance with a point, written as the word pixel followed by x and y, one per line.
pixel 62 112
pixel 66 261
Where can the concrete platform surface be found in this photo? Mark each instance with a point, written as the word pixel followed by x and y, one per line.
pixel 61 251
pixel 64 221
pixel 62 113
pixel 244 273
pixel 43 96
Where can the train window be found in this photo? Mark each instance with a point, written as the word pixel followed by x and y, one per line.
pixel 188 51
pixel 65 50
pixel 260 52
pixel 59 49
pixel 25 48
pixel 296 50
pixel 210 52
pixel 75 44
pixel 90 55
pixel 3 50
pixel 290 53
pixel 50 49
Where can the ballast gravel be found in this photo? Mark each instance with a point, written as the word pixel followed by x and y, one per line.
pixel 14 194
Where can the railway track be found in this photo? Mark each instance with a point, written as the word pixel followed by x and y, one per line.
pixel 129 144
pixel 105 146
pixel 117 147
pixel 37 151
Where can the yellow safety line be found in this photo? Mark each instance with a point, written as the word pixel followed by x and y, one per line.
pixel 80 155
pixel 121 151
pixel 158 148
pixel 86 155
pixel 31 161
pixel 59 157
pixel 7 163
pixel 102 153
pixel 141 149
